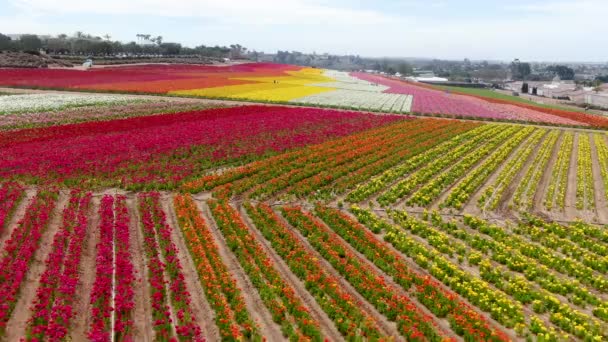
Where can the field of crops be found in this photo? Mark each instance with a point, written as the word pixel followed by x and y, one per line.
pixel 286 84
pixel 135 218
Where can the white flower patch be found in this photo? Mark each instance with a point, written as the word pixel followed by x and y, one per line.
pixel 45 102
pixel 381 102
pixel 345 81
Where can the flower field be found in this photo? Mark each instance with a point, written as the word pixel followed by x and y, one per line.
pixel 276 83
pixel 165 149
pixel 173 219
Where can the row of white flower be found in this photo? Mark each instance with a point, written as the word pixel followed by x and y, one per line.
pixel 383 102
pixel 47 102
pixel 344 80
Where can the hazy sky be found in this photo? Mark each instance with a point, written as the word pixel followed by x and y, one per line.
pixel 551 30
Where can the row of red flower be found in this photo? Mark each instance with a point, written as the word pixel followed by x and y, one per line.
pixel 112 297
pixel 52 308
pixel 19 249
pixel 171 302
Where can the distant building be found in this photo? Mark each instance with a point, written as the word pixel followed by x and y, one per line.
pixel 600 100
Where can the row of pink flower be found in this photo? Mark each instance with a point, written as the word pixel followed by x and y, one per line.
pixel 10 195
pixel 158 237
pixel 165 149
pixel 19 250
pixel 52 308
pixel 430 101
pixel 113 261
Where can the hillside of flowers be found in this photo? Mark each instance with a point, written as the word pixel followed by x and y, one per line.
pixel 127 217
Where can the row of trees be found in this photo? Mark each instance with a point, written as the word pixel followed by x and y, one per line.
pixel 86 44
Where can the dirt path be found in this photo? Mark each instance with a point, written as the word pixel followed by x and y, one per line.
pixel 386 327
pixel 570 212
pixel 142 313
pixel 81 322
pixel 258 312
pixel 327 327
pixel 601 207
pixel 15 327
pixel 200 307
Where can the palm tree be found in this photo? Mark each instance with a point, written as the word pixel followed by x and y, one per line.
pixel 107 36
pixel 79 34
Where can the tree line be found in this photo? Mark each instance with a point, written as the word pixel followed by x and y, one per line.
pixel 85 44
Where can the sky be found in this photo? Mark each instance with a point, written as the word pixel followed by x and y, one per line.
pixel 531 30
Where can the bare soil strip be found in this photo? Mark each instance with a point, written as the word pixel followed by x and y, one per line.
pixel 142 313
pixel 201 309
pixel 261 316
pixel 81 321
pixel 387 327
pixel 15 327
pixel 328 329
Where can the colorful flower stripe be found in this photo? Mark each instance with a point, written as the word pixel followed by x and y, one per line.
pixel 158 237
pixel 305 179
pixel 19 250
pixel 32 103
pixel 221 290
pixel 334 299
pixel 126 78
pixel 285 306
pixel 165 149
pixel 466 187
pixel 428 100
pixel 432 166
pixel 353 179
pixel 323 184
pixel 52 308
pixel 411 321
pixel 365 190
pixel 10 195
pixel 463 318
pixel 246 177
pixel 97 113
